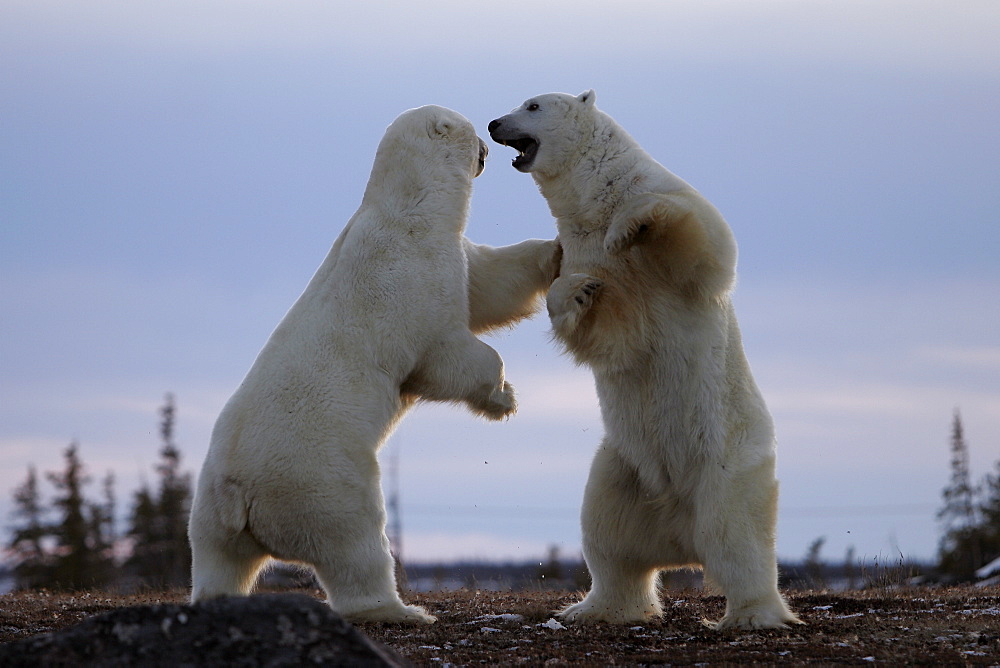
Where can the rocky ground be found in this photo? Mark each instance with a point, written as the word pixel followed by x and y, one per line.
pixel 954 626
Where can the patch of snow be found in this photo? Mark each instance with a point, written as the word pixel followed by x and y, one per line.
pixel 553 624
pixel 506 617
pixel 989 569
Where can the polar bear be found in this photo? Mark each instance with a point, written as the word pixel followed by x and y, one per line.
pixel 291 471
pixel 685 473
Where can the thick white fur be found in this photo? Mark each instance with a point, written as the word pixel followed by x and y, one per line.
pixel 685 473
pixel 292 472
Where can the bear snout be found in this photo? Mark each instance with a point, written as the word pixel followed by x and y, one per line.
pixel 494 124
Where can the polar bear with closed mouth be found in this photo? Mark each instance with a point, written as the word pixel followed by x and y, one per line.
pixel 388 319
pixel 685 473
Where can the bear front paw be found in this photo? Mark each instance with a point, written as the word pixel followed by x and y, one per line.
pixel 633 223
pixel 569 299
pixel 622 237
pixel 502 403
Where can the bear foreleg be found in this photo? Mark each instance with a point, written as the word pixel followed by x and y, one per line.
pixel 465 369
pixel 505 282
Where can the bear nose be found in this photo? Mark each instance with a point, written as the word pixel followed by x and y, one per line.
pixel 494 124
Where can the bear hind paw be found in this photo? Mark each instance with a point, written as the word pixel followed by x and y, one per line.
pixel 395 614
pixel 755 618
pixel 588 612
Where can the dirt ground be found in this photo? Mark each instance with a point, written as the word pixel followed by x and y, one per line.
pixel 955 626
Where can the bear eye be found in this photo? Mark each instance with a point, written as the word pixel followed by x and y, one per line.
pixel 533 106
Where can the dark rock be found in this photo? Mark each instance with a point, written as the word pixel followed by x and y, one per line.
pixel 263 630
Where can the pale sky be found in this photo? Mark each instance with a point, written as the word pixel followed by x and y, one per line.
pixel 171 174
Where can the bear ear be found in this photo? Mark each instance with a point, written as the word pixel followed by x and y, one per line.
pixel 587 97
pixel 440 126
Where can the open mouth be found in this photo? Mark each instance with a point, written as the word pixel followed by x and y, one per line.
pixel 527 149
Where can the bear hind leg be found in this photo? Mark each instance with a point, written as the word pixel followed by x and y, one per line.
pixel 622 546
pixel 362 586
pixel 740 559
pixel 224 567
pixel 618 596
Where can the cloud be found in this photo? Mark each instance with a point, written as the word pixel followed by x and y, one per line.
pixel 894 401
pixel 977 358
pixel 906 35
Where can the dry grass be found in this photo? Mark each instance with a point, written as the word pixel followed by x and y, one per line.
pixel 956 626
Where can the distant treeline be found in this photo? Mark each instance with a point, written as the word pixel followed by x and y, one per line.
pixel 71 541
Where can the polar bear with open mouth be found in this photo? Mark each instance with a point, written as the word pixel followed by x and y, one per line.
pixel 292 469
pixel 685 473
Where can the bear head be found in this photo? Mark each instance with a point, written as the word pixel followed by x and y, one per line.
pixel 433 135
pixel 546 130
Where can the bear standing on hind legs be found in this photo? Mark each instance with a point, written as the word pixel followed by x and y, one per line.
pixel 292 470
pixel 685 473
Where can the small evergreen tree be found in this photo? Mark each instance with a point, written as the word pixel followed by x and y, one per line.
pixel 990 514
pixel 102 531
pixel 813 564
pixel 175 501
pixel 850 569
pixel 961 552
pixel 161 554
pixel 33 564
pixel 109 531
pixel 79 561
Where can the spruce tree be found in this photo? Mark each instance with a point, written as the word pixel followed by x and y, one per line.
pixel 102 531
pixel 174 502
pixel 813 564
pixel 161 553
pixel 79 562
pixel 143 534
pixel 990 514
pixel 961 553
pixel 32 563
